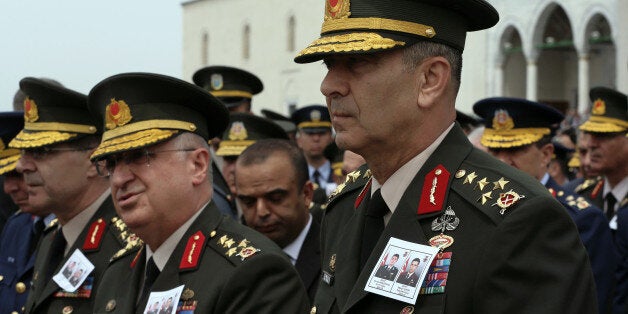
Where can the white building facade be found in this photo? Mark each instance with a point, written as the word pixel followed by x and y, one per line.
pixel 546 50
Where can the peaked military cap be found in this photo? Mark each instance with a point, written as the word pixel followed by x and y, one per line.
pixel 228 82
pixel 335 155
pixel 312 119
pixel 284 122
pixel 11 123
pixel 142 109
pixel 609 112
pixel 514 122
pixel 365 26
pixel 244 130
pixel 52 114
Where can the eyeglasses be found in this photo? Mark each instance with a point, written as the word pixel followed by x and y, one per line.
pixel 40 153
pixel 106 166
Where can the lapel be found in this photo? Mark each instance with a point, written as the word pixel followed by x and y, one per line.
pixel 42 259
pixel 405 223
pixel 102 212
pixel 172 275
pixel 308 264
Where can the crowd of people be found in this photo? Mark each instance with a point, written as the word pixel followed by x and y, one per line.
pixel 152 194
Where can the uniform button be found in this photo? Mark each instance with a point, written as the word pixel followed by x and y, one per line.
pixel 67 310
pixel 1 277
pixel 15 312
pixel 313 310
pixel 20 287
pixel 110 305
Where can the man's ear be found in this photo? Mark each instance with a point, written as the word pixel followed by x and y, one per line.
pixel 434 76
pixel 200 162
pixel 547 152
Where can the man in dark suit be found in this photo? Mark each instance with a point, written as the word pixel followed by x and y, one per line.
pixel 391 85
pixel 388 271
pixel 528 146
pixel 410 277
pixel 275 195
pixel 155 153
pixel 58 137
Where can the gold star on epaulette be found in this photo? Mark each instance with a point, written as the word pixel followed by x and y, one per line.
pixel 500 184
pixel 231 251
pixel 482 183
pixel 352 176
pixel 53 223
pixel 587 183
pixel 569 198
pixel 470 177
pixel 367 173
pixel 223 239
pixel 561 193
pixel 485 197
pixel 228 243
pixel 244 243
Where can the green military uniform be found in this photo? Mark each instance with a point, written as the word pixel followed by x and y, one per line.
pixel 492 246
pixel 52 115
pixel 224 267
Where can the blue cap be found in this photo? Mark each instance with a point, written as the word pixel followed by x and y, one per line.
pixel 312 119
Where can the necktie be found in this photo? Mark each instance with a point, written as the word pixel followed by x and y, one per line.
pixel 376 209
pixel 38 228
pixel 150 276
pixel 610 206
pixel 57 251
pixel 317 177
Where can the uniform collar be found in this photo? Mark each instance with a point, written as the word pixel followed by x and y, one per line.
pixel 620 190
pixel 162 254
pixel 73 228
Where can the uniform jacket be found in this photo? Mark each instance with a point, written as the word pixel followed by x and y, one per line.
pixel 387 272
pixel 408 279
pixel 620 304
pixel 308 263
pixel 48 297
pixel 593 191
pixel 16 265
pixel 597 239
pixel 220 278
pixel 527 260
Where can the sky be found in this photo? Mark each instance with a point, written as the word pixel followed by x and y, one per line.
pixel 81 42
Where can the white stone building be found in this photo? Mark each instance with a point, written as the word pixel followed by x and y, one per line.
pixel 545 50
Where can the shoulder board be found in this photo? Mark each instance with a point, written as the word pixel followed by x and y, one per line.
pixel 588 183
pixel 354 180
pixel 491 191
pixel 52 225
pixel 566 198
pixel 624 202
pixel 232 246
pixel 129 240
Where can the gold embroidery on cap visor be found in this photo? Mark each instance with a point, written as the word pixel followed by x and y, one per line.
pixel 604 125
pixel 231 93
pixel 352 42
pixel 131 141
pixel 8 160
pixel 512 138
pixel 318 124
pixel 26 139
pixel 233 148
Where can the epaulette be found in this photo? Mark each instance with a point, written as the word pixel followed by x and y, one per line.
pixel 491 192
pixel 586 184
pixel 232 246
pixel 52 225
pixel 130 241
pixel 353 180
pixel 576 202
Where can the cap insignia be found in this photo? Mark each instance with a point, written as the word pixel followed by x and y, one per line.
pixel 337 9
pixel 502 120
pixel 238 131
pixel 30 110
pixel 599 107
pixel 315 115
pixel 216 81
pixel 117 113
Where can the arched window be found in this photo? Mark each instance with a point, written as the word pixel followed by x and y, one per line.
pixel 205 49
pixel 291 33
pixel 246 42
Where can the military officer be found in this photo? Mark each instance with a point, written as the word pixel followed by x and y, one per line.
pixel 233 86
pixel 313 136
pixel 275 196
pixel 393 70
pixel 519 132
pixel 23 229
pixel 244 130
pixel 607 147
pixel 155 153
pixel 56 142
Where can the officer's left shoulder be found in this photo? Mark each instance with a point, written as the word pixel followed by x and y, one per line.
pixel 129 241
pixel 354 180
